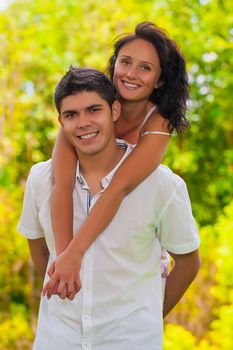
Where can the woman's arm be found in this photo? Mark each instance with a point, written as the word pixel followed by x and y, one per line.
pixel 142 161
pixel 64 163
pixel 145 158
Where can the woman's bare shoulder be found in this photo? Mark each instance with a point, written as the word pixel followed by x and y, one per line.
pixel 156 122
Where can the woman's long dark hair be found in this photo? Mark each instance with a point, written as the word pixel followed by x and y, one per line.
pixel 171 97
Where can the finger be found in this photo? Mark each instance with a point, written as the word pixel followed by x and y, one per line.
pixel 51 285
pixel 70 287
pixel 71 296
pixel 51 269
pixel 54 289
pixel 77 284
pixel 44 290
pixel 62 294
pixel 61 290
pixel 76 289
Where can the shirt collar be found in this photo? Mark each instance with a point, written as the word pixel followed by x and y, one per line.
pixel 106 180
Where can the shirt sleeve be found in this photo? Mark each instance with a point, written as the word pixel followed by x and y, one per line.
pixel 29 223
pixel 178 232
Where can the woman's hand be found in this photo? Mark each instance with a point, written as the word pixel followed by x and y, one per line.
pixel 64 275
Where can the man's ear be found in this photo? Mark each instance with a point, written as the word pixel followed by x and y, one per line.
pixel 59 119
pixel 116 110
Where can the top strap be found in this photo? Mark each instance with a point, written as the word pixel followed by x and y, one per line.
pixel 152 132
pixel 153 108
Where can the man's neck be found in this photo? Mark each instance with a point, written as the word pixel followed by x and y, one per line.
pixel 95 167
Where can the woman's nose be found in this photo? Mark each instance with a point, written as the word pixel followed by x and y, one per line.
pixel 132 72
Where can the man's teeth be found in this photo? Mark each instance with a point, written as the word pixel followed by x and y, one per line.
pixel 88 136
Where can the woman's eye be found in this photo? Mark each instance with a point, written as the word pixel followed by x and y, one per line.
pixel 124 61
pixel 146 68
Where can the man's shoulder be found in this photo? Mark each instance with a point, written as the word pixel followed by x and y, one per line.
pixel 40 174
pixel 166 172
pixel 165 177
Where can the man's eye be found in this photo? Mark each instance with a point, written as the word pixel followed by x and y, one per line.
pixel 70 115
pixel 94 109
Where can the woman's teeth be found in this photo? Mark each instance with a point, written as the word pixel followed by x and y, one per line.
pixel 130 85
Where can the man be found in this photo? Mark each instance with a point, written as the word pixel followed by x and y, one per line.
pixel 120 305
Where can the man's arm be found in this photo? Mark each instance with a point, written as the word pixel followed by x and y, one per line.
pixel 185 269
pixel 39 254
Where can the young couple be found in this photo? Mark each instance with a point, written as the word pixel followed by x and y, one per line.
pixel 126 208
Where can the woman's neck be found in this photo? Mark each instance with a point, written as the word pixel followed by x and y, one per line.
pixel 128 126
pixel 134 112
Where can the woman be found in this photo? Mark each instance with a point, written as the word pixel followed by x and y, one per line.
pixel 149 74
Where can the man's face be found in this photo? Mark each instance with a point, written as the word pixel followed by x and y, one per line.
pixel 87 121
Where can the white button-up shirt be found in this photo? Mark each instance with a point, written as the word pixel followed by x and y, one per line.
pixel 120 304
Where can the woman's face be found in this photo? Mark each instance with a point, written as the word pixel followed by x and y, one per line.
pixel 137 70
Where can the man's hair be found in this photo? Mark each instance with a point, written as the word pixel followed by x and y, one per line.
pixel 84 79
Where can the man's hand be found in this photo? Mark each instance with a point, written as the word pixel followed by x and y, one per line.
pixel 64 275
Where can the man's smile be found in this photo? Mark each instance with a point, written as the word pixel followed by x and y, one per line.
pixel 88 135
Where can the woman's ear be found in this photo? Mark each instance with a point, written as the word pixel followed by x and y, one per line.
pixel 158 84
pixel 116 110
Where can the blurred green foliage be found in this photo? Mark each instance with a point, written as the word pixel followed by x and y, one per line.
pixel 39 40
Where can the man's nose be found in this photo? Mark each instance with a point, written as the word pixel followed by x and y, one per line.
pixel 83 121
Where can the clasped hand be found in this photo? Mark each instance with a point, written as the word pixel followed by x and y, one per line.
pixel 64 275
